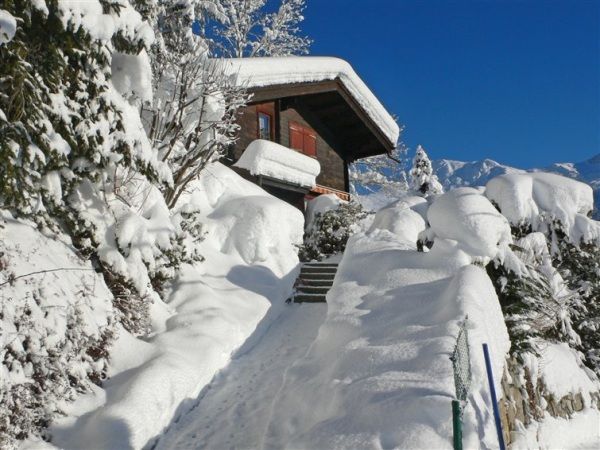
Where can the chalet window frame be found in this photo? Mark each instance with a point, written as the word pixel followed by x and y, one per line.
pixel 263 112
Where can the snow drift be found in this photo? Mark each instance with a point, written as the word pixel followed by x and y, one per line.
pixel 211 310
pixel 379 373
pixel 534 198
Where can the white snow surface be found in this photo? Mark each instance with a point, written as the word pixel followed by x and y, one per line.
pixel 269 71
pixel 270 159
pixel 8 26
pixel 212 308
pixel 524 198
pixel 466 216
pixel 378 374
pixel 579 432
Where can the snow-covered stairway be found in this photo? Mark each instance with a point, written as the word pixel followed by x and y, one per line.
pixel 314 282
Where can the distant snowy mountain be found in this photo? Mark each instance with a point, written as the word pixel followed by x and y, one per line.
pixel 477 173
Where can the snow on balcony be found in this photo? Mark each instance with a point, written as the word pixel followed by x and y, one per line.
pixel 272 160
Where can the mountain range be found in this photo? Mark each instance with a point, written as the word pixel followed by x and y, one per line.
pixel 453 173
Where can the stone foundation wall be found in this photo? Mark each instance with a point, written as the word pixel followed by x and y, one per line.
pixel 526 401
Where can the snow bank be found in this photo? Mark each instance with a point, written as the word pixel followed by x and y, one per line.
pixel 527 198
pixel 212 308
pixel 8 26
pixel 270 159
pixel 404 218
pixel 466 216
pixel 379 374
pixel 269 71
pixel 580 432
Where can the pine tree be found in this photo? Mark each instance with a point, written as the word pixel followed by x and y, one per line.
pixel 422 178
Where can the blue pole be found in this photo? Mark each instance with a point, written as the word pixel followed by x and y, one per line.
pixel 490 374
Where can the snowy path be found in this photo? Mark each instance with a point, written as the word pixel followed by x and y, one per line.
pixel 235 410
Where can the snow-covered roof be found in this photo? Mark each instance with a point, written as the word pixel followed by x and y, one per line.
pixel 271 71
pixel 269 159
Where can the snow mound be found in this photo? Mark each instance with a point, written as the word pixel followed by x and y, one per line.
pixel 379 373
pixel 270 159
pixel 8 26
pixel 403 218
pixel 269 71
pixel 466 216
pixel 533 197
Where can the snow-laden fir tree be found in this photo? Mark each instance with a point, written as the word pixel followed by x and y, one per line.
pixel 380 173
pixel 257 28
pixel 422 179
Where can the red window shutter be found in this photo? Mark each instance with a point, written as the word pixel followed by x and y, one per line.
pixel 310 143
pixel 296 141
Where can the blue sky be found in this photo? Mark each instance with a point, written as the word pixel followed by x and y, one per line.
pixel 515 81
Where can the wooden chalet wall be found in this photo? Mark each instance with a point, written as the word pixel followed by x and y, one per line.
pixel 332 165
pixel 333 169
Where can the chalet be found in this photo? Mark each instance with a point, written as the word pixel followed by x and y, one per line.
pixel 311 109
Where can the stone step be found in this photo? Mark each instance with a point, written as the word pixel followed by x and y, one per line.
pixel 324 271
pixel 309 298
pixel 313 289
pixel 317 276
pixel 319 269
pixel 316 282
pixel 318 264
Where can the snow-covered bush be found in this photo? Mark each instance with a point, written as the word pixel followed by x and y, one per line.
pixel 56 321
pixel 330 230
pixel 422 179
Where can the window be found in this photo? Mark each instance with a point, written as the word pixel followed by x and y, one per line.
pixel 303 138
pixel 264 126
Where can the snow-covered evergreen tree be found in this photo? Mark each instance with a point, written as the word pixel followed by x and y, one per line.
pixel 252 28
pixel 422 179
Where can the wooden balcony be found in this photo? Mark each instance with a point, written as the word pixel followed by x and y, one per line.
pixel 318 190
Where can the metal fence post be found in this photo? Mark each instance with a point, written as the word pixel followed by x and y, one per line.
pixel 490 374
pixel 461 364
pixel 456 425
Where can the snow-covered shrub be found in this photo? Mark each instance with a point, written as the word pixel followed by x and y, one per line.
pixel 535 299
pixel 422 179
pixel 56 321
pixel 330 230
